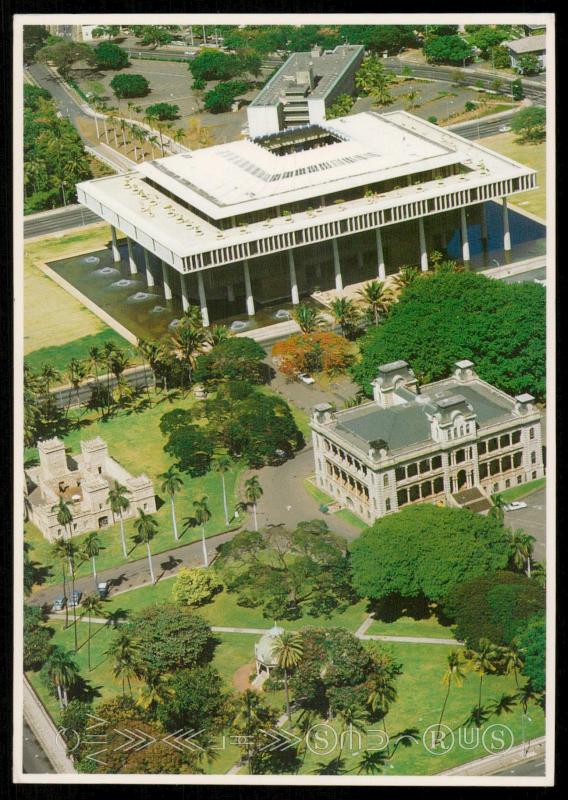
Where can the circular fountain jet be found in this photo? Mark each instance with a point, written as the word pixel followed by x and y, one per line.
pixel 282 314
pixel 105 272
pixel 124 283
pixel 238 325
pixel 139 297
pixel 91 260
pixel 158 310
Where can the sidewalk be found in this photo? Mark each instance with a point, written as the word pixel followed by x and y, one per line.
pixel 45 731
pixel 500 761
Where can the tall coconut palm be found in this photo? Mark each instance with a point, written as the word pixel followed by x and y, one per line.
pixel 308 318
pixel 526 695
pixel 287 649
pixel 125 652
pixel 512 661
pixel 154 142
pixel 188 342
pixel 64 515
pixel 119 503
pixel 71 551
pixel 172 483
pixel 48 376
pixel 497 510
pixel 76 373
pixel 253 493
pixel 202 517
pixel 221 465
pixel 63 673
pixel 381 685
pixel 91 549
pixel 345 314
pixel 59 552
pixel 178 136
pixel 146 528
pixel 377 298
pixel 123 128
pixel 484 661
pixel 453 674
pixel 92 607
pixel 521 548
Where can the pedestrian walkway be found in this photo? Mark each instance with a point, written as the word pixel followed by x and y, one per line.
pixel 45 731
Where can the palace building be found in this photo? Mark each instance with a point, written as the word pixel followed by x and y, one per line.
pixel 275 218
pixel 453 442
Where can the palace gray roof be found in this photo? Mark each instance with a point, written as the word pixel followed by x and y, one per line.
pixel 407 425
pixel 529 44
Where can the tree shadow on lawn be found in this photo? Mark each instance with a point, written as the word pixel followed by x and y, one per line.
pixel 169 565
pixel 393 607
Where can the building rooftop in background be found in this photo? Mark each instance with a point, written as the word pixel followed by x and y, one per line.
pixel 303 88
pixel 529 44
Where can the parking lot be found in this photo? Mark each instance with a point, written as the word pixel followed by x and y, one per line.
pixel 532 520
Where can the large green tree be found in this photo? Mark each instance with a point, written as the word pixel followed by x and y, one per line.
pixel 288 573
pixel 64 54
pixel 530 124
pixel 170 637
pixel 129 85
pixel 444 317
pixel 110 56
pixel 197 700
pixel 447 50
pixel 494 607
pixel 532 646
pixel 236 358
pixel 426 551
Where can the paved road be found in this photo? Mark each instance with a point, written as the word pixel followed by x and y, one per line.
pixel 533 768
pixel 75 216
pixel 68 397
pixel 532 520
pixel 34 759
pixel 132 574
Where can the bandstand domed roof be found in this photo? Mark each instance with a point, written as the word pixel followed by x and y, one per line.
pixel 263 649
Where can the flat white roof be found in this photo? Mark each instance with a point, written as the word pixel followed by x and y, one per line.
pixel 399 144
pixel 244 176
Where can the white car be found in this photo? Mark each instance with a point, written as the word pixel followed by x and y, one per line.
pixel 504 129
pixel 302 376
pixel 517 505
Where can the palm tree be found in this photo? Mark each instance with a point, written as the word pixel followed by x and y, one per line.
pixel 146 528
pixel 154 690
pixel 123 127
pixel 497 510
pixel 64 515
pixel 287 649
pixel 484 662
pixel 307 318
pixel 252 718
pixel 172 483
pixel 512 661
pixel 71 550
pixel 371 762
pixel 154 142
pixel 217 334
pixel 522 546
pixel 59 551
pixel 345 314
pixel 376 297
pixel 76 373
pixel 63 672
pixel 48 375
pixel 453 673
pixel 202 516
pixel 221 465
pixel 119 503
pixel 525 696
pixel 126 655
pixel 253 493
pixel 95 360
pixel 91 549
pixel 405 277
pixel 381 685
pixel 188 342
pixel 178 136
pixel 92 607
pixel 118 363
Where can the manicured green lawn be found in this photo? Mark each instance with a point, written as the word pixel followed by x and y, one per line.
pixel 135 440
pixel 59 356
pixel 224 612
pixel 420 699
pixel 407 626
pixel 324 498
pixel 516 492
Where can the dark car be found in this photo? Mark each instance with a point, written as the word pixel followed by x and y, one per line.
pixel 75 599
pixel 59 603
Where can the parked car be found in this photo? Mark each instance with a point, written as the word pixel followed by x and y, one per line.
pixel 504 129
pixel 103 589
pixel 517 505
pixel 302 376
pixel 59 603
pixel 75 599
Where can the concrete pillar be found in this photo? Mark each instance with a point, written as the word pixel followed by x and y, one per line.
pixel 506 232
pixel 483 223
pixel 337 266
pixel 184 297
pixel 149 277
pixel 248 290
pixel 115 250
pixel 360 262
pixel 202 300
pixel 465 237
pixel 380 256
pixel 230 292
pixel 423 251
pixel 166 281
pixel 293 281
pixel 131 261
